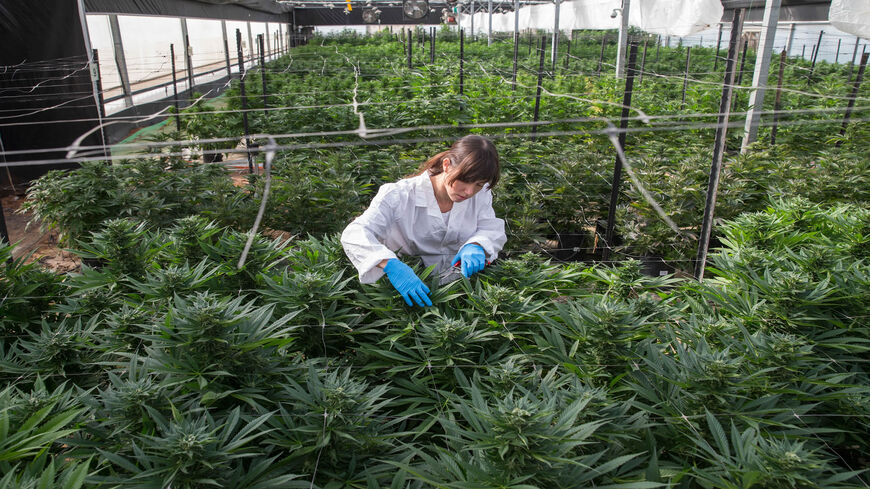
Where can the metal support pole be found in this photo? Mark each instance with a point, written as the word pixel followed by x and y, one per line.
pixel 567 54
pixel 432 44
pixel 837 56
pixel 686 76
pixel 410 48
pixel 642 63
pixel 623 39
pixel 719 145
pixel 516 41
pixel 250 42
pixel 617 166
pixel 268 43
pixel 854 54
pixel 472 19
pixel 175 89
pixel 790 40
pixel 718 44
pixel 244 100
pixel 555 51
pixel 101 102
pixel 601 55
pixel 461 62
pixel 540 86
pixel 854 95
pixel 120 59
pixel 489 29
pixel 743 62
pixel 263 74
pixel 760 75
pixel 226 48
pixel 816 54
pixel 777 102
pixel 188 61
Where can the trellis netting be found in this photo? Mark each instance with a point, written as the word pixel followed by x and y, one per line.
pixel 852 16
pixel 665 17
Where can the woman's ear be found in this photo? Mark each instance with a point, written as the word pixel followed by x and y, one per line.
pixel 445 164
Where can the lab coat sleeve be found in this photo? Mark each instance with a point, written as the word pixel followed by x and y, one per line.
pixel 363 239
pixel 490 230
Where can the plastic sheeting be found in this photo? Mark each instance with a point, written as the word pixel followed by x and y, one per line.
pixel 675 17
pixel 665 17
pixel 852 16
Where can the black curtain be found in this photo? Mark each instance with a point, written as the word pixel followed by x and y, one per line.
pixel 46 96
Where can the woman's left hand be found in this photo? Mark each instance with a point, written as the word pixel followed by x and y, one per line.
pixel 472 257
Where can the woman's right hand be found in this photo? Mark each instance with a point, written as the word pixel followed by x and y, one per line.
pixel 407 283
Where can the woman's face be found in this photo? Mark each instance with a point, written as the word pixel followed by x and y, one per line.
pixel 458 190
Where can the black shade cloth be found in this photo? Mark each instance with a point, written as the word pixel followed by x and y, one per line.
pixel 45 64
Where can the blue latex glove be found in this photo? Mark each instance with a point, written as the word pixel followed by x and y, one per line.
pixel 407 283
pixel 472 257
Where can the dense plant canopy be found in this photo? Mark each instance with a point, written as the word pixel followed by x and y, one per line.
pixel 161 363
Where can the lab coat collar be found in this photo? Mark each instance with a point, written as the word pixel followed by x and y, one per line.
pixel 425 197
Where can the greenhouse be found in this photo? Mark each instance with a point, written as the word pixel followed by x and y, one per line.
pixel 408 244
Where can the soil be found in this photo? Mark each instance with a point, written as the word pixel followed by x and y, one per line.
pixel 32 242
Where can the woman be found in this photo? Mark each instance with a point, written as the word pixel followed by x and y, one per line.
pixel 443 211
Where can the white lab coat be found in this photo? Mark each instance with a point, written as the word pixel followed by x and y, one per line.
pixel 404 218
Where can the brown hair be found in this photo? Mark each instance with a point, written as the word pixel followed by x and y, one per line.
pixel 473 158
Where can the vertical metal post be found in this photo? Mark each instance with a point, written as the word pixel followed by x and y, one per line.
pixel 540 86
pixel 854 95
pixel 267 35
pixel 777 102
pixel 263 74
pixel 555 53
pixel 854 54
pixel 719 145
pixel 472 19
pixel 489 29
pixel 617 166
pixel 760 75
pixel 175 89
pixel 188 62
pixel 120 59
pixel 686 76
pixel 244 100
pixel 516 41
pixel 743 61
pixel 432 45
pixel 461 61
pixel 642 63
pixel 837 56
pixel 567 54
pixel 623 39
pixel 816 53
pixel 790 40
pixel 410 47
pixel 250 43
pixel 226 48
pixel 101 102
pixel 601 55
pixel 718 44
